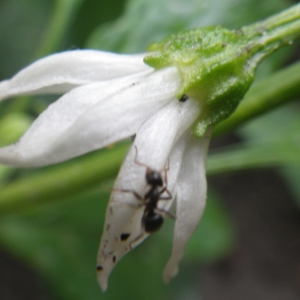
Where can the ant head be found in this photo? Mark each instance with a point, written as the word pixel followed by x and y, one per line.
pixel 154 178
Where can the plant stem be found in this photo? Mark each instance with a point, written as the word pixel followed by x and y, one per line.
pixel 59 182
pixel 267 94
pixel 58 26
pixel 252 157
pixel 286 16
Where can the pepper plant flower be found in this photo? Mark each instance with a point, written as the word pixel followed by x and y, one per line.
pixel 107 98
pixel 168 99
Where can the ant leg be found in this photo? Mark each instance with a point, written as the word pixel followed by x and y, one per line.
pixel 134 193
pixel 148 168
pixel 166 169
pixel 135 158
pixel 136 241
pixel 129 191
pixel 165 212
pixel 168 197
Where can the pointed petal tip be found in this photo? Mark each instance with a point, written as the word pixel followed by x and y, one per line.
pixel 171 270
pixel 4 90
pixel 102 279
pixel 9 156
pixel 60 72
pixel 103 285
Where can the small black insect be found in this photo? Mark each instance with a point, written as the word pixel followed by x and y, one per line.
pixel 183 98
pixel 153 219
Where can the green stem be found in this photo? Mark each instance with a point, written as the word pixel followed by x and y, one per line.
pixel 252 157
pixel 58 26
pixel 59 182
pixel 274 32
pixel 282 18
pixel 269 93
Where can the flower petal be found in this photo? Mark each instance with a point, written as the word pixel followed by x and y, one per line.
pixel 154 141
pixel 59 73
pixel 64 131
pixel 190 199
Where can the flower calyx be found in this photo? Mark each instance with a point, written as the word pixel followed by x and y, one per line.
pixel 217 66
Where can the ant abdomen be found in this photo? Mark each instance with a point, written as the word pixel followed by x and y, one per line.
pixel 152 221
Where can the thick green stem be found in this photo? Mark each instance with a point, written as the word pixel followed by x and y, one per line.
pixel 56 184
pixel 59 24
pixel 267 94
pixel 218 65
pixel 252 157
pixel 289 15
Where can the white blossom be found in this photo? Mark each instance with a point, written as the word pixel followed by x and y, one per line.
pixel 107 98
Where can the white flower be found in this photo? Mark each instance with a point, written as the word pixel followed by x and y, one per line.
pixel 110 97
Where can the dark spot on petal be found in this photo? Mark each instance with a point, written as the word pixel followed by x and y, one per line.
pixel 183 98
pixel 99 268
pixel 124 236
pixel 114 258
pixel 107 227
pixel 111 210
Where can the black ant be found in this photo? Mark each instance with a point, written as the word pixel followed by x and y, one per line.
pixel 152 218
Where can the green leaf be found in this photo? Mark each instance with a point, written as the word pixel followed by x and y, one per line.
pixel 271 140
pixel 279 125
pixel 217 65
pixel 151 20
pixel 215 236
pixel 63 13
pixel 291 174
pixel 252 157
pixel 12 126
pixel 92 13
pixel 61 181
pixel 278 135
pixel 61 241
pixel 21 27
pixel 274 90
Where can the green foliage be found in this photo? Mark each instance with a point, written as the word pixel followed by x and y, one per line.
pixel 60 181
pixel 217 65
pixel 20 32
pixel 277 143
pixel 61 241
pixel 215 236
pixel 152 20
pixel 58 232
pixel 12 126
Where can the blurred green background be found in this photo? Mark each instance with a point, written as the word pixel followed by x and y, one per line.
pixel 51 218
